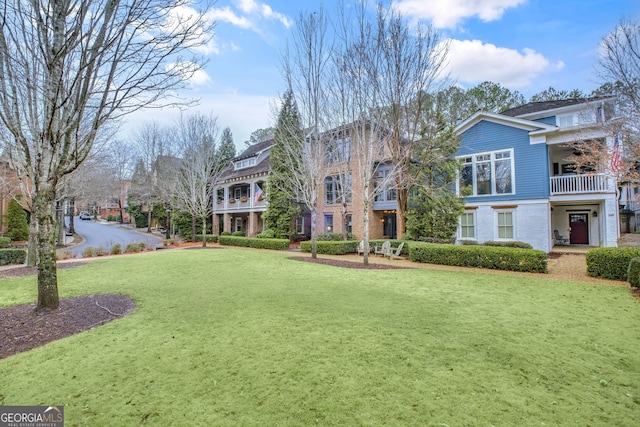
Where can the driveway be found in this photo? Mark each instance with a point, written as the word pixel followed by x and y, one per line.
pixel 105 235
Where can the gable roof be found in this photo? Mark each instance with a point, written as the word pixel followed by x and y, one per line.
pixel 551 106
pixel 524 124
pixel 254 150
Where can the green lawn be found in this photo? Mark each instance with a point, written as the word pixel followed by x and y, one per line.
pixel 240 337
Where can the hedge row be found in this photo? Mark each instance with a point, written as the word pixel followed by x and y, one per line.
pixel 211 238
pixel 610 263
pixel 497 258
pixel 254 242
pixel 329 247
pixel 12 256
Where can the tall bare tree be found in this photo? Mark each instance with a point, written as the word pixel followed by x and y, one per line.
pixel 409 62
pixel 203 161
pixel 304 68
pixel 68 67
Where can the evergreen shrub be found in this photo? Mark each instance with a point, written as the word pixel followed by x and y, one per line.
pixel 508 244
pixel 329 247
pixel 238 234
pixel 12 256
pixel 497 258
pixel 254 242
pixel 210 238
pixel 16 220
pixel 116 249
pixel 633 273
pixel 610 263
pixel 4 242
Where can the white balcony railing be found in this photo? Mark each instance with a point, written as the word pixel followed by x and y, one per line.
pixel 243 204
pixel 577 184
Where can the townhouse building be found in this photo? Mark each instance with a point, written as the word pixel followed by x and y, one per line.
pixel 520 183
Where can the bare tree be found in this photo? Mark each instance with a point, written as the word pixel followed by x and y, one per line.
pixel 68 67
pixel 305 72
pixel 408 62
pixel 201 167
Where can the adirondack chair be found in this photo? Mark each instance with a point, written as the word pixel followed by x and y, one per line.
pixel 384 249
pixel 395 253
pixel 360 249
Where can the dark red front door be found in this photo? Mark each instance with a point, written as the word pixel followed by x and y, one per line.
pixel 579 224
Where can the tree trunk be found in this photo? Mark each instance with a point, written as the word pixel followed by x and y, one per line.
pixel 72 207
pixel 149 218
pixel 121 211
pixel 32 246
pixel 314 237
pixel 43 207
pixel 193 228
pixel 365 228
pixel 204 232
pixel 60 240
pixel 402 199
pixel 345 232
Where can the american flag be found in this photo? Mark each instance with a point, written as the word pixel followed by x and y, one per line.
pixel 258 194
pixel 615 155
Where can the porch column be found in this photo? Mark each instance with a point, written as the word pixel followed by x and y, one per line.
pixel 227 222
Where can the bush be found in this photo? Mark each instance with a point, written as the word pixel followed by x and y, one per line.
pixel 267 234
pixel 12 256
pixel 254 242
pixel 91 251
pixel 4 242
pixel 333 237
pixel 610 263
pixel 210 238
pixel 508 244
pixel 342 247
pixel 238 234
pixel 225 233
pixel 133 248
pixel 497 258
pixel 16 221
pixel 633 273
pixel 116 249
pixel 64 254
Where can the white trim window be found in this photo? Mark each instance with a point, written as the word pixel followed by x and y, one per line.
pixel 487 174
pixel 245 163
pixel 299 225
pixel 468 226
pixel 505 221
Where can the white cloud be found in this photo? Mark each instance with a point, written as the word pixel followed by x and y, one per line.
pixel 448 13
pixel 227 15
pixel 197 77
pixel 471 61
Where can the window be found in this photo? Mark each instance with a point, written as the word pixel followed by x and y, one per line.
pixel 238 224
pixel 487 174
pixel 388 193
pixel 300 225
pixel 245 163
pixel 333 189
pixel 349 223
pixel 565 121
pixel 505 225
pixel 328 224
pixel 338 150
pixel 467 226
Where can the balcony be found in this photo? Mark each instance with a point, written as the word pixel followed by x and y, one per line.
pixel 580 184
pixel 242 204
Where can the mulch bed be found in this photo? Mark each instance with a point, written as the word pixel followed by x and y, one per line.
pixel 23 329
pixel 348 264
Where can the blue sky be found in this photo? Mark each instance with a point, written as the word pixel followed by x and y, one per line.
pixel 525 45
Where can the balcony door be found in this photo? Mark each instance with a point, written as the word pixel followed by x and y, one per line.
pixel 579 226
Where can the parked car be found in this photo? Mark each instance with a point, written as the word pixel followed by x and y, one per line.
pixel 85 215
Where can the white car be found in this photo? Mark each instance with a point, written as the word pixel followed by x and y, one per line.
pixel 85 215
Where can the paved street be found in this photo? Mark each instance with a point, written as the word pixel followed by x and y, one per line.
pixel 99 234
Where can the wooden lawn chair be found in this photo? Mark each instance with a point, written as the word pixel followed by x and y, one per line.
pixel 360 249
pixel 384 250
pixel 395 253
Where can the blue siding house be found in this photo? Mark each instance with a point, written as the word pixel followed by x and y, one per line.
pixel 519 182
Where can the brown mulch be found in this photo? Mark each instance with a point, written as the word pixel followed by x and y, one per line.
pixel 24 329
pixel 348 264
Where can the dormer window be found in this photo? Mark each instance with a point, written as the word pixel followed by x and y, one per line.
pixel 244 163
pixel 566 120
